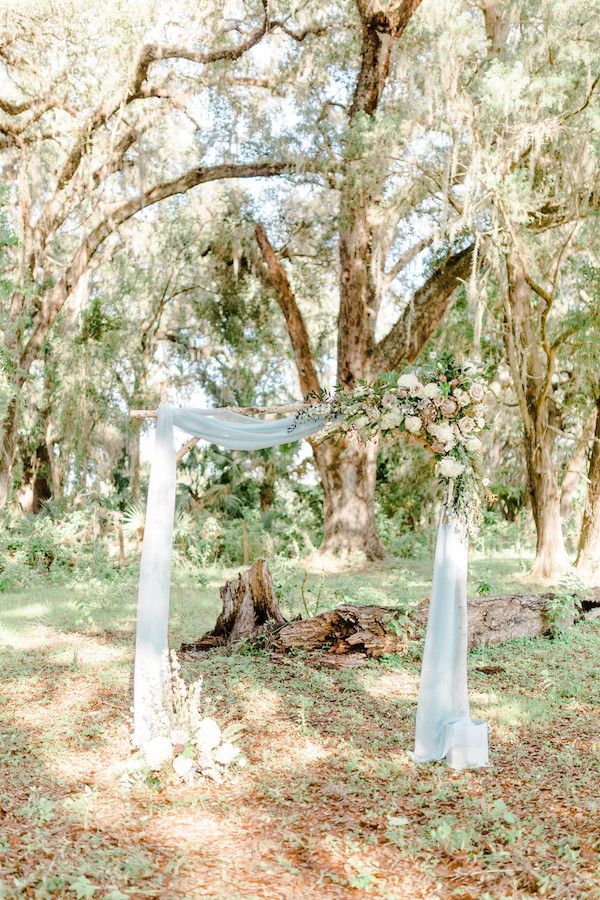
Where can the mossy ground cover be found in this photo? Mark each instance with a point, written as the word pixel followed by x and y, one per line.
pixel 330 804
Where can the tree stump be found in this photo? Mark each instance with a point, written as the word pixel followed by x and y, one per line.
pixel 250 611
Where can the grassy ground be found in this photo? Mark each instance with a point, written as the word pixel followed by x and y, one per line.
pixel 330 804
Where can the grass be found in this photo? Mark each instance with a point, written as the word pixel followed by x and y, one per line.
pixel 330 804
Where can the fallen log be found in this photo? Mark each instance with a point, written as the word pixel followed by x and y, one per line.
pixel 347 629
pixel 350 635
pixel 496 619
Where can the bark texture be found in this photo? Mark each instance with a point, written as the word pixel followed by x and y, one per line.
pixel 493 620
pixel 359 631
pixel 347 469
pixel 588 554
pixel 531 358
pixel 249 604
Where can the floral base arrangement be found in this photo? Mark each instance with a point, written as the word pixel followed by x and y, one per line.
pixel 187 745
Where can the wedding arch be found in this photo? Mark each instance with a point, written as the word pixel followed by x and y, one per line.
pixel 439 407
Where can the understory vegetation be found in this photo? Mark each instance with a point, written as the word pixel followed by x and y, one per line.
pixel 329 803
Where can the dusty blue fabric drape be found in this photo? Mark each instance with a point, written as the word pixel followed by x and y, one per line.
pixel 444 728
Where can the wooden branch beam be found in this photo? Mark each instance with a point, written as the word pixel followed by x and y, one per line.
pixel 189 445
pixel 142 414
pixel 244 410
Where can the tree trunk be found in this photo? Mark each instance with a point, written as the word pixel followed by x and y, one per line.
pixel 576 466
pixel 266 489
pixel 551 560
pixel 348 469
pixel 8 448
pixel 531 360
pixel 134 459
pixel 588 553
pixel 493 620
pixel 41 489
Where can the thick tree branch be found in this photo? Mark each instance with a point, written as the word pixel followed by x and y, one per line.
pixel 120 213
pixel 423 314
pixel 135 87
pixel 359 292
pixel 296 327
pixel 60 205
pixel 380 29
pixel 406 258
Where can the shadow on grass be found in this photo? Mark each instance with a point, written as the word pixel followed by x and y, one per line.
pixel 316 813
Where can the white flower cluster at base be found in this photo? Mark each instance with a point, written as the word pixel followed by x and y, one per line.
pixel 186 745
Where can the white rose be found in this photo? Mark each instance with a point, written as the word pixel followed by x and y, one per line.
pixel 473 444
pixel 479 411
pixel 448 467
pixel 477 392
pixel 226 753
pixel 431 390
pixel 466 424
pixel 480 422
pixel 360 423
pixel 157 752
pixel 183 766
pixel 463 398
pixel 408 381
pixel 442 431
pixel 208 734
pixel 412 424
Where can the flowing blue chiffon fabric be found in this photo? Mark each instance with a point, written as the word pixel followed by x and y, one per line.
pixel 444 728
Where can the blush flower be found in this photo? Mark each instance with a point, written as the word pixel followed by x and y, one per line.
pixel 408 381
pixel 449 407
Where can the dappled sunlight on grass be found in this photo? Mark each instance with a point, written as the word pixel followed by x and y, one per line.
pixel 88 649
pixel 399 684
pixel 330 804
pixel 26 611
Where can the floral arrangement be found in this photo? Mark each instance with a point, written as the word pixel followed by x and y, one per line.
pixel 187 744
pixel 439 406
